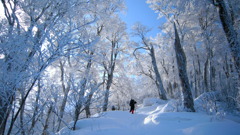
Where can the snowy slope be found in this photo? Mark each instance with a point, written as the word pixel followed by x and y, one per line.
pixel 152 120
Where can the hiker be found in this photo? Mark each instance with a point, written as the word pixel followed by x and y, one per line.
pixel 132 105
pixel 113 108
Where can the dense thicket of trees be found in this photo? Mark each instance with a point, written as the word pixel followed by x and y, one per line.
pixel 61 58
pixel 51 61
pixel 209 33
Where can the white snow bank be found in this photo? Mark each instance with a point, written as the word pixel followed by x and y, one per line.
pixel 185 123
pixel 152 101
pixel 114 123
pixel 208 102
pixel 152 120
pixel 173 106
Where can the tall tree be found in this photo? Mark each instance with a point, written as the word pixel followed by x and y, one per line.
pixel 182 71
pixel 83 85
pixel 65 90
pixel 227 20
pixel 49 31
pixel 141 31
pixel 115 38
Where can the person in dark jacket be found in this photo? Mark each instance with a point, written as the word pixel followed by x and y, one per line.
pixel 132 105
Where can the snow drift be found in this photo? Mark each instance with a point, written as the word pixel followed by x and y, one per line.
pixel 153 119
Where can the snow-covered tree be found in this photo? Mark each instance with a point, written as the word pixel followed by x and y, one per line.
pixel 115 40
pixel 227 14
pixel 209 65
pixel 141 31
pixel 35 34
pixel 182 71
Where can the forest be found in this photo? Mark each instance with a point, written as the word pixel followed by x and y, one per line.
pixel 66 60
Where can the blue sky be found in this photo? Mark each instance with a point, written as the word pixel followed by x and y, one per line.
pixel 139 11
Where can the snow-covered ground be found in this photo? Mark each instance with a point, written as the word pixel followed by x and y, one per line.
pixel 151 119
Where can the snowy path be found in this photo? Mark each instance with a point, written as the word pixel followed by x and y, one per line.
pixel 151 121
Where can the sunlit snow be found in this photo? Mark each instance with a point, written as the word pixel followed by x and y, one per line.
pixel 153 120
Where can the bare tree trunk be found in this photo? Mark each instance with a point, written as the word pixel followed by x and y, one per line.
pixel 195 86
pixel 141 32
pixel 14 118
pixel 209 71
pixel 88 103
pixel 107 92
pixel 110 69
pixel 79 103
pixel 182 70
pixel 62 108
pixel 89 99
pixel 36 107
pixel 65 96
pixel 22 114
pixel 161 90
pixel 229 88
pixel 170 90
pixel 206 20
pixel 212 75
pixel 5 104
pixel 199 72
pixel 9 90
pixel 206 75
pixel 45 127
